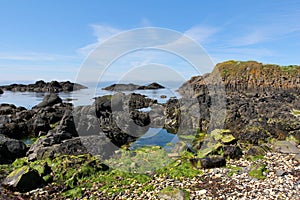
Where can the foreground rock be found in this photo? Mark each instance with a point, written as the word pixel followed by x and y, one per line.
pixel 23 179
pixel 132 87
pixel 42 86
pixel 208 162
pixel 11 149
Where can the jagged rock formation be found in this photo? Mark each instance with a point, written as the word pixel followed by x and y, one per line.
pixel 42 86
pixel 259 100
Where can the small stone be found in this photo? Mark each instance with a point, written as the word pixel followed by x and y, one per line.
pixel 201 192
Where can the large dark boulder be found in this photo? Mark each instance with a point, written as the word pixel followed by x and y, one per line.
pixel 1 91
pixel 49 100
pixel 23 179
pixel 11 149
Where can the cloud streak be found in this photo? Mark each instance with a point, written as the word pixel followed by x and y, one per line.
pixel 33 57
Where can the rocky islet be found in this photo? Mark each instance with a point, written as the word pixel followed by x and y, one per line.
pixel 42 86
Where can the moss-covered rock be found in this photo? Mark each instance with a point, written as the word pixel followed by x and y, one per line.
pixel 23 179
pixel 257 171
pixel 218 142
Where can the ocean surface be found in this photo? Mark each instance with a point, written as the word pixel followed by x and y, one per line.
pixel 154 136
pixel 85 96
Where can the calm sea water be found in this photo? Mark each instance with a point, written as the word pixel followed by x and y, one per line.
pixel 85 96
pixel 154 136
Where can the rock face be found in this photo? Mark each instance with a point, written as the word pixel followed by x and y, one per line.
pixel 259 100
pixel 23 179
pixel 132 87
pixel 49 100
pixel 42 86
pixel 11 149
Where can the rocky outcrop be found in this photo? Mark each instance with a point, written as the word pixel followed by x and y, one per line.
pixel 119 118
pixel 19 123
pixel 152 86
pixel 258 101
pixel 132 87
pixel 248 76
pixel 254 76
pixel 49 100
pixel 1 91
pixel 11 149
pixel 42 86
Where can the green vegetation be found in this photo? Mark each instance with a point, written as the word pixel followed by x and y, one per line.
pixel 53 126
pixel 290 69
pixel 179 170
pixel 233 170
pixel 140 160
pixel 257 171
pixel 255 158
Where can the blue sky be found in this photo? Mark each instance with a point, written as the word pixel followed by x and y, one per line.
pixel 51 39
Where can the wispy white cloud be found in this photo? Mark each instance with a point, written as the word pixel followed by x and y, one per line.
pixel 267 33
pixel 251 38
pixel 202 34
pixel 102 33
pixel 33 57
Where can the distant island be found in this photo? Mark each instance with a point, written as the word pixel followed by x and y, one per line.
pixel 132 87
pixel 42 86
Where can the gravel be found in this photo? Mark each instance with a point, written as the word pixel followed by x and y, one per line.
pixel 282 181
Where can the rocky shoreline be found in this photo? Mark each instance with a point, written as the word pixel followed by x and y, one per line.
pixel 249 151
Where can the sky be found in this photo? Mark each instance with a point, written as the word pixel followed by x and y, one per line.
pixel 52 40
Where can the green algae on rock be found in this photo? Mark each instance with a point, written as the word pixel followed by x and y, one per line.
pixel 23 179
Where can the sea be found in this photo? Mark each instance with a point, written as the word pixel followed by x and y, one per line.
pixel 154 136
